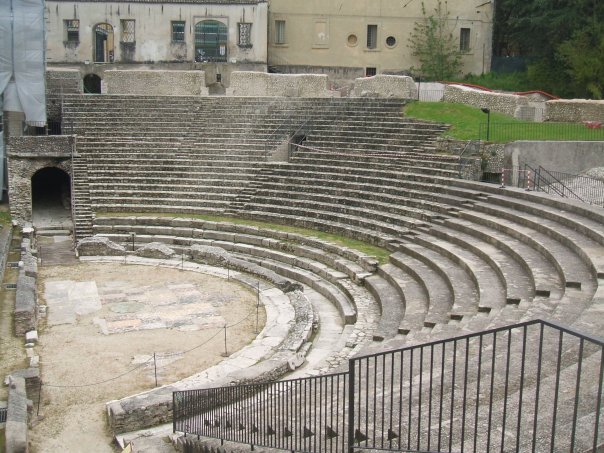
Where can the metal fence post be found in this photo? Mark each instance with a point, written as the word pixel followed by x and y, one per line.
pixel 351 378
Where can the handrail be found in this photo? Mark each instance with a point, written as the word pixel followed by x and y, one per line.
pixel 551 185
pixel 364 408
pixel 463 151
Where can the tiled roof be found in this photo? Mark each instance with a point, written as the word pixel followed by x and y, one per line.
pixel 204 2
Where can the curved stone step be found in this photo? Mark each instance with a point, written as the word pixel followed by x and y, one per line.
pixel 392 307
pixel 537 263
pixel 440 295
pixel 462 284
pixel 576 270
pixel 412 293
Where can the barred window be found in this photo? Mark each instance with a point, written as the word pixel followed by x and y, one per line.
pixel 245 34
pixel 72 30
pixel 178 31
pixel 464 40
pixel 279 32
pixel 128 30
pixel 371 36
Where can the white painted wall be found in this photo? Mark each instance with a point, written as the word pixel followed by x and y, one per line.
pixel 153 29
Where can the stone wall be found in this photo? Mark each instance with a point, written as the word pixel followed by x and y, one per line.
pixel 574 110
pixel 155 82
pixel 386 86
pixel 507 104
pixel 60 81
pixel 248 83
pixel 27 155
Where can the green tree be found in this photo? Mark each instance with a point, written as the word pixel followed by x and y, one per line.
pixel 546 32
pixel 583 56
pixel 432 42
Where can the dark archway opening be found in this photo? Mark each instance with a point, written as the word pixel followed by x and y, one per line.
pixel 92 84
pixel 51 197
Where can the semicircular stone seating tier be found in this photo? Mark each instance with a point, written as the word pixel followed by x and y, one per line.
pixel 464 256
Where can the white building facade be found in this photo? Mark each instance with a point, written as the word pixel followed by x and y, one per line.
pixel 149 31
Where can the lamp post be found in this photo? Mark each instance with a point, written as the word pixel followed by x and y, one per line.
pixel 488 112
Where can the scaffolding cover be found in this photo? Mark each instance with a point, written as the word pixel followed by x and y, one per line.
pixel 22 47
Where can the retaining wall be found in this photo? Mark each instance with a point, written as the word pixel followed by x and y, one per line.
pixel 574 110
pixel 60 81
pixel 155 82
pixel 566 157
pixel 248 83
pixel 385 86
pixel 497 102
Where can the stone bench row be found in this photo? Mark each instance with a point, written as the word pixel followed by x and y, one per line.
pixel 276 190
pixel 402 162
pixel 542 286
pixel 371 158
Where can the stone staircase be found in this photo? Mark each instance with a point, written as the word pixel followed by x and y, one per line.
pixel 81 204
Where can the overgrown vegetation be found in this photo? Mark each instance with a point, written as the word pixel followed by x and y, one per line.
pixel 513 81
pixel 563 42
pixel 379 253
pixel 465 124
pixel 432 42
pixel 5 218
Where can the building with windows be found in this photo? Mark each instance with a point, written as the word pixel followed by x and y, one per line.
pixel 344 39
pixel 347 39
pixel 230 34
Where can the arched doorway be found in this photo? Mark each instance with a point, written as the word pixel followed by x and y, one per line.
pixel 103 43
pixel 51 197
pixel 211 39
pixel 92 84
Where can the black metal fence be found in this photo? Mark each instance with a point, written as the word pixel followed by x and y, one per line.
pixel 3 411
pixel 533 386
pixel 507 132
pixel 298 415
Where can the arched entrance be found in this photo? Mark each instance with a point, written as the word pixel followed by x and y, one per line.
pixel 103 43
pixel 51 198
pixel 211 39
pixel 92 84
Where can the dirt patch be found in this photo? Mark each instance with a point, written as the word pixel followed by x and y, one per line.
pixel 144 311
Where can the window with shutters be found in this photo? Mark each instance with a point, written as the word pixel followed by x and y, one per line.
pixel 371 36
pixel 464 40
pixel 279 32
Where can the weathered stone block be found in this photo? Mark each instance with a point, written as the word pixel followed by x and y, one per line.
pixel 99 246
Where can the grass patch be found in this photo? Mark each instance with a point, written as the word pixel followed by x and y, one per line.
pixel 379 253
pixel 464 120
pixel 466 124
pixel 5 218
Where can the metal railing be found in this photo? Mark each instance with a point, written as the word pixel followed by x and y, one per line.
pixel 467 165
pixel 307 414
pixel 506 132
pixel 3 411
pixel 578 187
pixel 50 128
pixel 533 386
